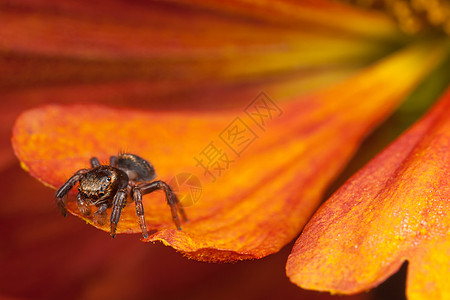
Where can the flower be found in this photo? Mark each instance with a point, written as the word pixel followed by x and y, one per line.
pixel 330 73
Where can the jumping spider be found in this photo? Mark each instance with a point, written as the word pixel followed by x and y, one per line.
pixel 107 186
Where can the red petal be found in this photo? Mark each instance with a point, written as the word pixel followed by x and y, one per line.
pixel 396 209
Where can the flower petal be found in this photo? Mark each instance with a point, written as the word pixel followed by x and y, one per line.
pixel 263 196
pixel 77 42
pixel 120 53
pixel 339 16
pixel 396 209
pixel 43 257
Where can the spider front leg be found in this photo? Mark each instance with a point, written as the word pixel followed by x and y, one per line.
pixel 172 199
pixel 119 202
pixel 137 198
pixel 65 188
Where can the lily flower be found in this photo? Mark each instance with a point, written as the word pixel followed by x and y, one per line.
pixel 254 107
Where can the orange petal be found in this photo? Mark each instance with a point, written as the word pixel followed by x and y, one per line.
pixel 273 176
pixel 82 263
pixel 396 209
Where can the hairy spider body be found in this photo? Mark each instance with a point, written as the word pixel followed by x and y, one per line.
pixel 137 168
pixel 100 184
pixel 106 186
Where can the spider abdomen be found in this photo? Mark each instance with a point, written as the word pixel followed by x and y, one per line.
pixel 137 168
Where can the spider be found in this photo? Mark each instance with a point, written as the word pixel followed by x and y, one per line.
pixel 106 186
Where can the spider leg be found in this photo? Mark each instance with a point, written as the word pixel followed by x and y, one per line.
pixel 65 188
pixel 137 197
pixel 113 161
pixel 119 202
pixel 83 206
pixel 100 214
pixel 95 162
pixel 172 199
